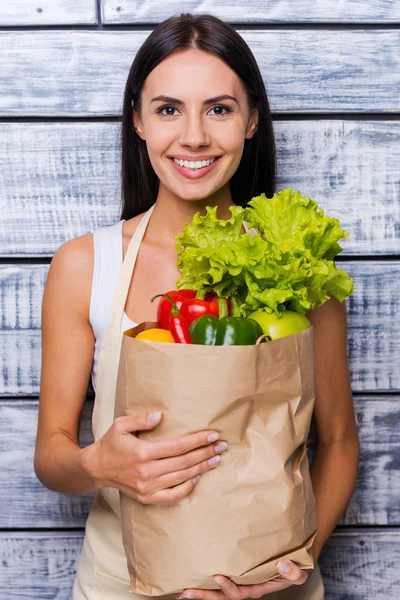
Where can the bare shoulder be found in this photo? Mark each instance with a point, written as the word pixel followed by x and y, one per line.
pixel 332 312
pixel 71 271
pixel 329 322
pixel 76 253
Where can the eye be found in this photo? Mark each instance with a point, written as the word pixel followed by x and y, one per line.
pixel 167 107
pixel 223 107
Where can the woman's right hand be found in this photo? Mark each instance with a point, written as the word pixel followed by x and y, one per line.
pixel 159 472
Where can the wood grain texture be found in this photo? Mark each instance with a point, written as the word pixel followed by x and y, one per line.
pixel 355 565
pixel 362 565
pixel 30 504
pixel 373 326
pixel 61 180
pixel 84 72
pixel 39 566
pixel 254 11
pixel 47 12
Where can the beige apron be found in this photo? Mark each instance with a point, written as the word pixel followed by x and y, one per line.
pixel 102 570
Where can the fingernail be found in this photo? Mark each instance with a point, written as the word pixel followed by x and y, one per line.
pixel 153 416
pixel 194 480
pixel 213 437
pixel 214 460
pixel 218 581
pixel 184 596
pixel 221 447
pixel 284 567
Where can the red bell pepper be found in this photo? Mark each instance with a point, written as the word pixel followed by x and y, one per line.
pixel 177 324
pixel 192 305
pixel 164 305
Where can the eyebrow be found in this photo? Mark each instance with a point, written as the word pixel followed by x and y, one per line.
pixel 209 101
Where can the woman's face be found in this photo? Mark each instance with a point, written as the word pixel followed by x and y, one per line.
pixel 194 108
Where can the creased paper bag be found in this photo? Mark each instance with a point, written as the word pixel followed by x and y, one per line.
pixel 254 508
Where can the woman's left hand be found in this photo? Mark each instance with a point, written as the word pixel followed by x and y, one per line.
pixel 294 576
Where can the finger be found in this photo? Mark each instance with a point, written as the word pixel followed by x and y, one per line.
pixel 138 423
pixel 258 590
pixel 173 479
pixel 170 495
pixel 202 594
pixel 185 464
pixel 178 446
pixel 291 572
pixel 228 587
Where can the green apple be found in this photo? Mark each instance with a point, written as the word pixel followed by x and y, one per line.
pixel 276 327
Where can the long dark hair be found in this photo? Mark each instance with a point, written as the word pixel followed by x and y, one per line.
pixel 256 171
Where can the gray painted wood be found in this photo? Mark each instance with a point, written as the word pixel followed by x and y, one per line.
pixel 38 566
pixel 373 318
pixel 356 565
pixel 61 180
pixel 373 322
pixel 47 12
pixel 254 11
pixel 84 72
pixel 30 504
pixel 362 565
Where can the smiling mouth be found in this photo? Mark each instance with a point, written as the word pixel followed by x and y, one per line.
pixel 194 169
pixel 195 164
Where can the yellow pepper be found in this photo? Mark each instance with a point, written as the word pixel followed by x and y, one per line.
pixel 156 335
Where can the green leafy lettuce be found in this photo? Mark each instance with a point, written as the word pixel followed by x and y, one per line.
pixel 287 263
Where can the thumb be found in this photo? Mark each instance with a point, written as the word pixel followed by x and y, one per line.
pixel 290 571
pixel 140 422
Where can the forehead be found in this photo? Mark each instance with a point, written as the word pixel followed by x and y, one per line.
pixel 193 71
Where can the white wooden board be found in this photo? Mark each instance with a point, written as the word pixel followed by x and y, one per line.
pixel 27 503
pixel 254 11
pixel 373 322
pixel 80 72
pixel 61 180
pixel 355 564
pixel 47 12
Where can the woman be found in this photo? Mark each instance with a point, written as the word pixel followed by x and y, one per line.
pixel 196 131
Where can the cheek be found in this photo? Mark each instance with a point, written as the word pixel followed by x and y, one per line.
pixel 158 139
pixel 231 138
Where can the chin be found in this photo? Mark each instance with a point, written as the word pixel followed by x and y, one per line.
pixel 193 195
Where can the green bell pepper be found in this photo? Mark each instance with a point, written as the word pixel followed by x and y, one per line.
pixel 225 331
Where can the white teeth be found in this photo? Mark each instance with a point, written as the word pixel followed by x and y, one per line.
pixel 198 164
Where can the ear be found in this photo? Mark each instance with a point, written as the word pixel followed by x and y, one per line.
pixel 252 124
pixel 137 122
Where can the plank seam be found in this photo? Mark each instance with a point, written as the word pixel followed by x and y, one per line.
pixel 339 530
pixel 265 26
pixel 10 260
pixel 276 116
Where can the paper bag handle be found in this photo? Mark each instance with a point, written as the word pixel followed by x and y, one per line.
pixel 261 338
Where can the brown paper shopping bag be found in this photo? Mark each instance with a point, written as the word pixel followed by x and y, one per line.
pixel 257 506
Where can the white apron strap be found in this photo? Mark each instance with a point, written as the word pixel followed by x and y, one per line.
pixel 107 372
pixel 121 292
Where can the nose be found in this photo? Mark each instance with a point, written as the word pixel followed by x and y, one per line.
pixel 194 132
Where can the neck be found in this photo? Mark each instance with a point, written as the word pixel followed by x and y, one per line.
pixel 171 213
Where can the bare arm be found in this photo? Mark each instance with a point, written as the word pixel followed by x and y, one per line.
pixel 67 353
pixel 149 472
pixel 335 465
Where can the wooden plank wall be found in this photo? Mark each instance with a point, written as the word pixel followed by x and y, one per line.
pixel 332 73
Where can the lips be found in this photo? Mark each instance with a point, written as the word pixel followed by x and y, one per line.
pixel 194 158
pixel 194 173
